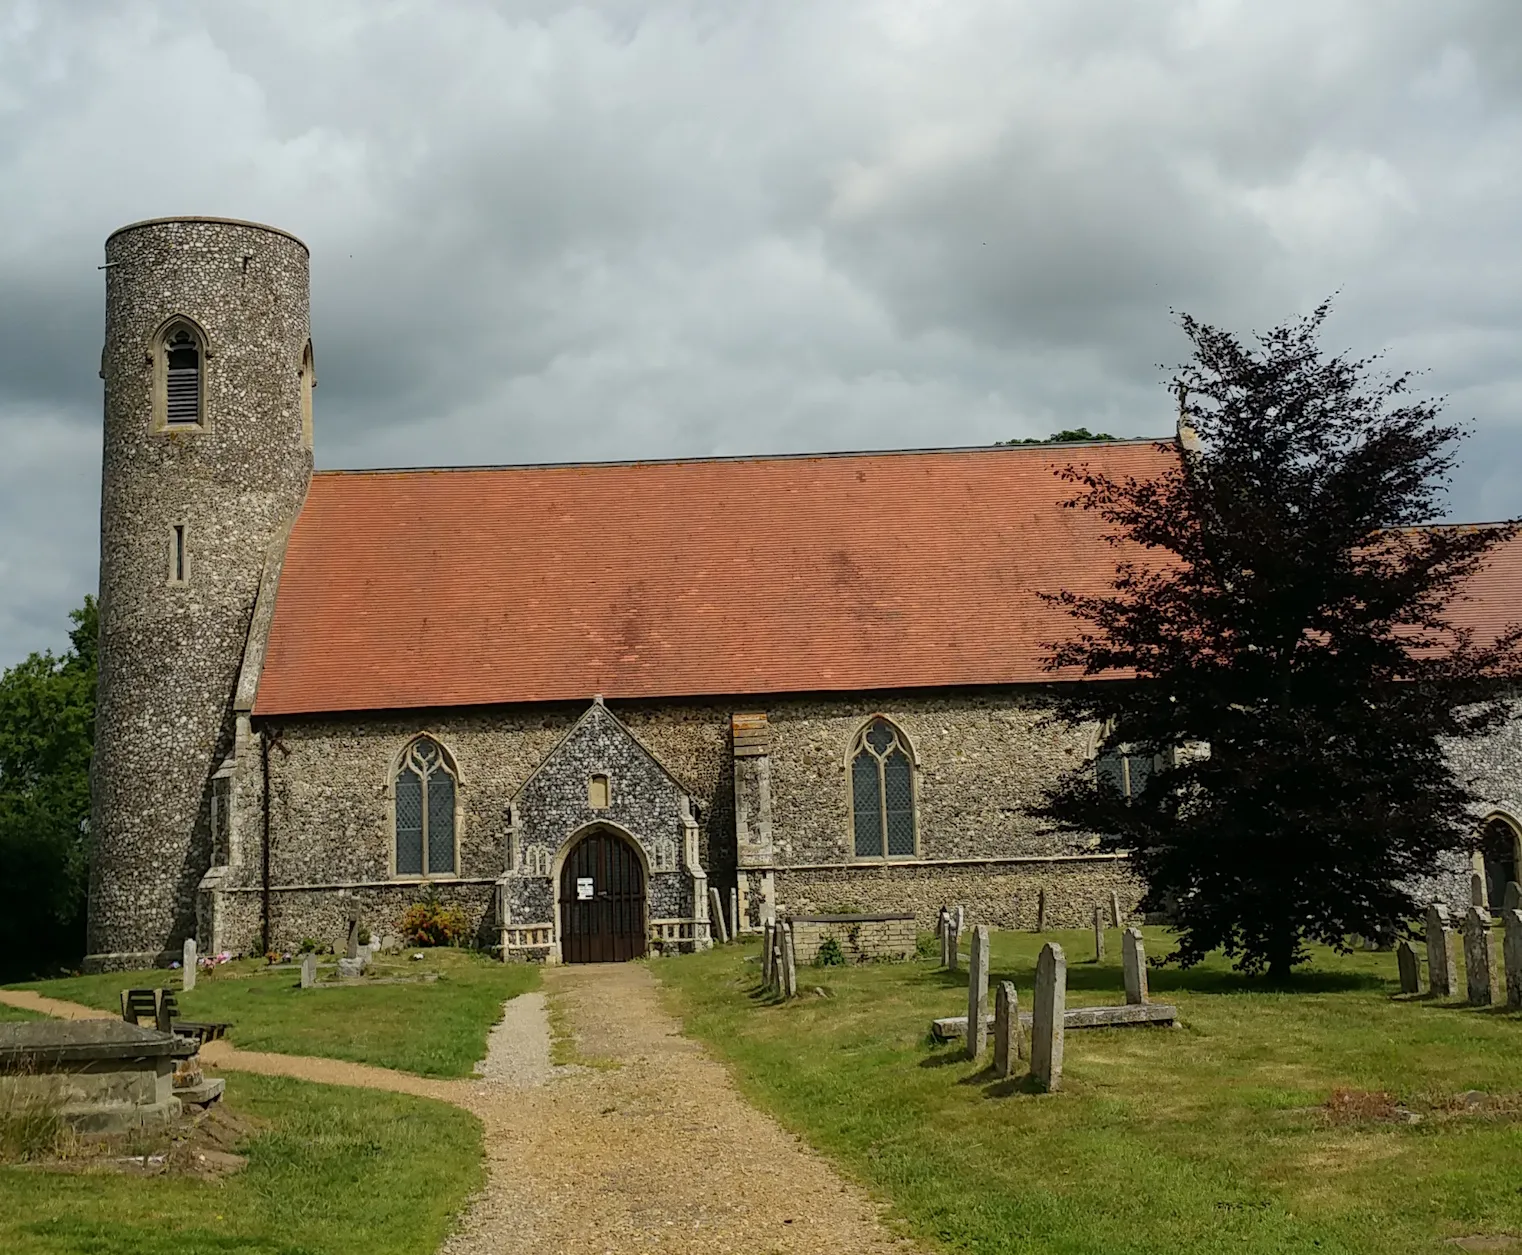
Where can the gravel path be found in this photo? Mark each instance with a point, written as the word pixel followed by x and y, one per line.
pixel 648 1147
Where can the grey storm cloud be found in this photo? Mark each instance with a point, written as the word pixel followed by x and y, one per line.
pixel 548 232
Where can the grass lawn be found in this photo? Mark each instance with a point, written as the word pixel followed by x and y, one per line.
pixel 14 1015
pixel 433 1029
pixel 331 1171
pixel 1216 1136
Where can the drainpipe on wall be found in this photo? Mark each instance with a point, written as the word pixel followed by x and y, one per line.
pixel 264 766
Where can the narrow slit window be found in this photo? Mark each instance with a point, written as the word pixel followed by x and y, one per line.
pixel 177 554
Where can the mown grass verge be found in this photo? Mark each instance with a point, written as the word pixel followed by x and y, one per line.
pixel 331 1171
pixel 1271 1121
pixel 432 1028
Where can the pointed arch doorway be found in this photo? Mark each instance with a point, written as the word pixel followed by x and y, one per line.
pixel 602 900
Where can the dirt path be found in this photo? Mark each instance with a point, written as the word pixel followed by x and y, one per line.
pixel 649 1149
pixel 653 1149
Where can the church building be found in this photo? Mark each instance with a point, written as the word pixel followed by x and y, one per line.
pixel 568 699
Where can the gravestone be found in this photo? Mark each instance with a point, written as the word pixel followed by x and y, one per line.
pixel 961 920
pixel 351 946
pixel 1041 911
pixel 1512 948
pixel 1008 1042
pixel 1477 890
pixel 308 970
pixel 1442 961
pixel 977 992
pixel 1115 920
pixel 1511 900
pixel 954 945
pixel 789 964
pixel 1133 961
pixel 943 931
pixel 716 914
pixel 188 964
pixel 1480 965
pixel 1099 934
pixel 1048 1017
pixel 767 929
pixel 734 914
pixel 1410 968
pixel 350 968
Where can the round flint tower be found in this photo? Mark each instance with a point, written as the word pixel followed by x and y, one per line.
pixel 207 366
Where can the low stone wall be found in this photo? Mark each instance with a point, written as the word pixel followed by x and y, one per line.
pixel 1001 894
pixel 861 937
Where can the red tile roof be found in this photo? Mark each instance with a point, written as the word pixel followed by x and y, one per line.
pixel 669 579
pixel 1492 601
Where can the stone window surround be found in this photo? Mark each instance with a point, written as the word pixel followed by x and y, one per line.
pixel 157 357
pixel 308 377
pixel 451 764
pixel 179 553
pixel 852 746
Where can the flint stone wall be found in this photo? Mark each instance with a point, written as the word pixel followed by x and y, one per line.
pixel 861 937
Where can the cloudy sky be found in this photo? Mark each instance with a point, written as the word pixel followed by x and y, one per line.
pixel 618 230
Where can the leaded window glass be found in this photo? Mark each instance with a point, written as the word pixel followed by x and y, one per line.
pixel 425 812
pixel 1124 771
pixel 882 793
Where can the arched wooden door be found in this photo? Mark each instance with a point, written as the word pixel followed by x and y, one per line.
pixel 602 901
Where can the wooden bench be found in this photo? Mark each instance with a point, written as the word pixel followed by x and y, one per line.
pixel 159 1008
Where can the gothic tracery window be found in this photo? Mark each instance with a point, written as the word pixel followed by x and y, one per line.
pixel 425 811
pixel 882 793
pixel 179 376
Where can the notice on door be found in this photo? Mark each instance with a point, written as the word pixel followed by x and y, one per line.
pixel 583 888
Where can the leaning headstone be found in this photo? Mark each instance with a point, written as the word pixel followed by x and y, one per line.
pixel 1410 968
pixel 1480 966
pixel 954 945
pixel 716 914
pixel 1442 962
pixel 1047 1021
pixel 188 964
pixel 1041 911
pixel 1512 949
pixel 1115 920
pixel 789 964
pixel 351 947
pixel 734 914
pixel 1007 1036
pixel 308 970
pixel 1133 961
pixel 1511 900
pixel 977 992
pixel 766 953
pixel 1477 890
pixel 1099 933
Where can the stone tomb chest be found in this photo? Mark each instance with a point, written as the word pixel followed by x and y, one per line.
pixel 105 1076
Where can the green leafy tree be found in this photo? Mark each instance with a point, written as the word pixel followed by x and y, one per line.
pixel 1068 435
pixel 1277 767
pixel 47 728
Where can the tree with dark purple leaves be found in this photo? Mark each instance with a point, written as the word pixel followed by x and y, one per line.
pixel 1277 675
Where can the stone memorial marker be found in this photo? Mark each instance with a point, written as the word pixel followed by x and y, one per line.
pixel 954 946
pixel 188 964
pixel 1008 1040
pixel 350 968
pixel 766 952
pixel 716 915
pixel 1041 911
pixel 1477 890
pixel 1047 1021
pixel 789 964
pixel 1099 934
pixel 1410 968
pixel 1133 960
pixel 943 931
pixel 734 914
pixel 1442 962
pixel 1480 966
pixel 961 920
pixel 1512 948
pixel 308 970
pixel 977 992
pixel 1511 900
pixel 351 947
pixel 1115 920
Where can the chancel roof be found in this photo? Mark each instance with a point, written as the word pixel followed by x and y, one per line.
pixel 708 577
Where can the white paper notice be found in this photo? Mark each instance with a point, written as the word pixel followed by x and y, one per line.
pixel 583 888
